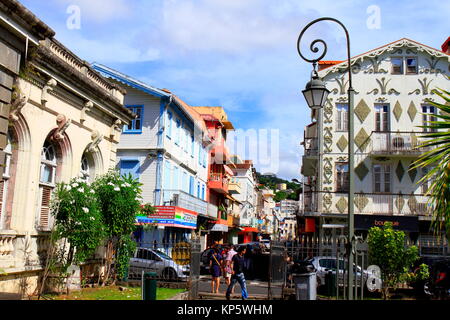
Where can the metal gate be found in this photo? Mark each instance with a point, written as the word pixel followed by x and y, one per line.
pixel 285 255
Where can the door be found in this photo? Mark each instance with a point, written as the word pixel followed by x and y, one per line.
pixel 382 200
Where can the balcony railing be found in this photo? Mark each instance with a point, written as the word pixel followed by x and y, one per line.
pixel 234 186
pixel 397 143
pixel 218 182
pixel 368 203
pixel 178 198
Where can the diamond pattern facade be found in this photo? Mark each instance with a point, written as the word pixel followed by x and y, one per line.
pixel 398 111
pixel 362 139
pixel 342 143
pixel 362 110
pixel 412 111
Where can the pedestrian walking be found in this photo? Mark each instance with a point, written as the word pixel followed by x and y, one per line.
pixel 237 266
pixel 215 266
pixel 228 271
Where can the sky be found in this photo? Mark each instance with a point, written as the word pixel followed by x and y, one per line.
pixel 238 54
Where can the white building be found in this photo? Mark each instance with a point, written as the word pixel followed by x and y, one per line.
pixel 393 85
pixel 165 148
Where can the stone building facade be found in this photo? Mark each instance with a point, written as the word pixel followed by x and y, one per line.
pixel 64 122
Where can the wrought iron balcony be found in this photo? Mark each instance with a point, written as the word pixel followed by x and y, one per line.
pixel 397 143
pixel 368 203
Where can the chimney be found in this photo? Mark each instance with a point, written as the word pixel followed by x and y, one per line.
pixel 446 46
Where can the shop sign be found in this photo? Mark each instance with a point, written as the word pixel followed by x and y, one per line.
pixel 171 217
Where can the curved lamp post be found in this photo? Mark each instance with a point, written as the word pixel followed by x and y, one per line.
pixel 316 96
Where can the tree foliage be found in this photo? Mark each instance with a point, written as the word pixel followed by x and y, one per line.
pixel 438 159
pixel 388 251
pixel 77 219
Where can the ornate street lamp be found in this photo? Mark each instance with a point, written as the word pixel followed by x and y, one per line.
pixel 316 95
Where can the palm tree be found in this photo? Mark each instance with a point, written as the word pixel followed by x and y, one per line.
pixel 439 158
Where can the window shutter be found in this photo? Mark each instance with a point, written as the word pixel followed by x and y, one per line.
pixel 44 217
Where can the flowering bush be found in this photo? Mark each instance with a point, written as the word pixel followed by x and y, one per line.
pixel 77 219
pixel 119 199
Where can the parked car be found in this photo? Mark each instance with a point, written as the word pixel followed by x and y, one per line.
pixel 324 265
pixel 438 284
pixel 149 260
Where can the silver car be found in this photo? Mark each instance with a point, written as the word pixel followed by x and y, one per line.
pixel 149 260
pixel 324 265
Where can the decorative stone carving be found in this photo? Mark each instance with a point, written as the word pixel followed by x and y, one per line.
pixel 375 66
pixel 383 84
pixel 361 201
pixel 432 66
pixel 424 87
pixel 362 139
pixel 96 139
pixel 328 170
pixel 342 205
pixel 50 86
pixel 342 159
pixel 63 123
pixel 328 112
pixel 328 139
pixel 342 143
pixel 361 171
pixel 20 99
pixel 87 107
pixel 397 111
pixel 362 110
pixel 327 200
pixel 116 127
pixel 412 111
pixel 400 171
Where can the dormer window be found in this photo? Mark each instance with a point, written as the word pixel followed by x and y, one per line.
pixel 397 65
pixel 411 65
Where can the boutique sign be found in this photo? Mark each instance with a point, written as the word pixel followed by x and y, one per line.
pixel 365 222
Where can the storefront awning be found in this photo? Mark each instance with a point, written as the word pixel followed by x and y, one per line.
pixel 365 222
pixel 249 229
pixel 220 228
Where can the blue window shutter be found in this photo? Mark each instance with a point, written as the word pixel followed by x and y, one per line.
pixel 175 178
pixel 167 176
pixel 203 192
pixel 191 186
pixel 198 190
pixel 130 167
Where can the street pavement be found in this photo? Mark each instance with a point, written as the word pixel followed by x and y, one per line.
pixel 256 289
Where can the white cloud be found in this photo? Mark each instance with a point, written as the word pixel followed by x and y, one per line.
pixel 101 11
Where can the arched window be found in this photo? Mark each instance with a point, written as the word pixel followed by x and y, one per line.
pixel 49 168
pixel 85 172
pixel 4 183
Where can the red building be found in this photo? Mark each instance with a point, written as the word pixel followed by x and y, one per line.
pixel 220 173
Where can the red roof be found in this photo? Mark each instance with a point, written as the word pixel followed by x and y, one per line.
pixel 445 45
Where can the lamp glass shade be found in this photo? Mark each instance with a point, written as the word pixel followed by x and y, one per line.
pixel 316 93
